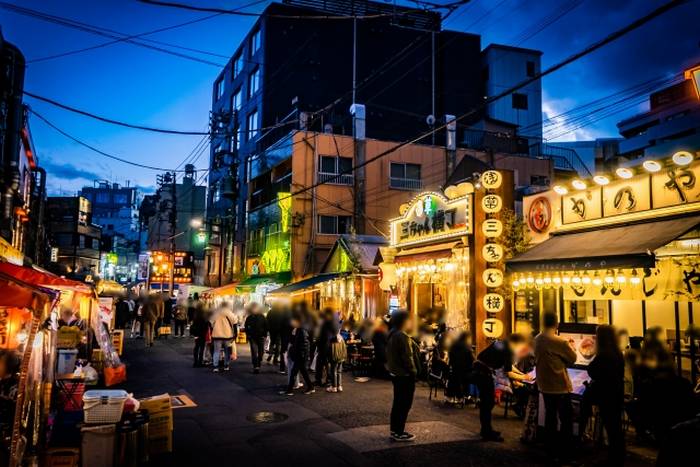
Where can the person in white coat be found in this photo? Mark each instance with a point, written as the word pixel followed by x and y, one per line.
pixel 224 332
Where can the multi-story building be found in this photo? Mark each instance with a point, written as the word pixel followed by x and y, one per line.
pixel 289 73
pixel 22 181
pixel 75 237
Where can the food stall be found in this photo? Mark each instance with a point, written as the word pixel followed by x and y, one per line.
pixel 620 249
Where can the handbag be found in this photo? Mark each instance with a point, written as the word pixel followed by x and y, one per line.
pixel 207 335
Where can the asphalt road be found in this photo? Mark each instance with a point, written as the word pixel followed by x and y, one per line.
pixel 349 428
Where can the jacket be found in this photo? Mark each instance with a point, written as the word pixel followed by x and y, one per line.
pixel 300 346
pixel 224 325
pixel 400 359
pixel 607 374
pixel 256 326
pixel 552 356
pixel 339 351
pixel 151 311
pixel 181 313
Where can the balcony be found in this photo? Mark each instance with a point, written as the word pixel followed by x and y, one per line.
pixel 405 183
pixel 335 179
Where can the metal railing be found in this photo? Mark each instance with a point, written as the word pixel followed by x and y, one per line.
pixel 335 179
pixel 405 183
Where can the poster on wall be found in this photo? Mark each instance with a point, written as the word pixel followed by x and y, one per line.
pixel 106 314
pixel 582 344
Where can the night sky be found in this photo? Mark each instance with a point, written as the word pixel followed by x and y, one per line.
pixel 138 85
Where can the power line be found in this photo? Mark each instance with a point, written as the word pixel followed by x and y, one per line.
pixel 577 56
pixel 98 151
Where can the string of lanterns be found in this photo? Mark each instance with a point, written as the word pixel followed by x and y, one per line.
pixel 597 278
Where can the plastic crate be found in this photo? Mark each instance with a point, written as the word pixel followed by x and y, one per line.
pixel 104 406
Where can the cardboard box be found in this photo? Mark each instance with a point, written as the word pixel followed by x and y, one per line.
pixel 160 414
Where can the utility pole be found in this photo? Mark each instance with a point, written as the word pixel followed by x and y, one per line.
pixel 173 228
pixel 450 146
pixel 358 127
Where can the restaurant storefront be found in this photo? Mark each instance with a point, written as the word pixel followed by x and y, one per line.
pixel 621 250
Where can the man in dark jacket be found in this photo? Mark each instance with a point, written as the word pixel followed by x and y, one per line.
pixel 275 318
pixel 256 331
pixel 401 361
pixel 330 327
pixel 299 354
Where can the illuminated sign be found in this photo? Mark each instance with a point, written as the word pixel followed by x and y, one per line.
pixel 431 216
pixel 491 179
pixel 492 328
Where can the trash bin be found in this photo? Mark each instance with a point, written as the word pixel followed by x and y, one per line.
pixel 97 445
pixel 127 446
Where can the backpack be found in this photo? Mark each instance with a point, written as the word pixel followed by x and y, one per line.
pixel 339 351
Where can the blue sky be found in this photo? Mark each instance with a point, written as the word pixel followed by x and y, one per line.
pixel 142 86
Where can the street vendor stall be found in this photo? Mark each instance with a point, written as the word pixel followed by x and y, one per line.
pixel 622 250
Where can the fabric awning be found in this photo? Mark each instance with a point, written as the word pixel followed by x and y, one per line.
pixel 626 246
pixel 228 289
pixel 442 250
pixel 305 283
pixel 41 278
pixel 252 282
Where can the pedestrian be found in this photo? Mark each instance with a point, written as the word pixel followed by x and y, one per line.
pixel 224 329
pixel 330 326
pixel 379 337
pixel 200 329
pixel 275 318
pixel 607 390
pixel 337 356
pixel 151 310
pixel 461 363
pixel 192 304
pixel 552 357
pixel 121 313
pixel 299 350
pixel 401 360
pixel 256 331
pixel 285 339
pixel 180 319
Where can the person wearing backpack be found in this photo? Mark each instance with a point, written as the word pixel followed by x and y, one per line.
pixel 223 333
pixel 338 355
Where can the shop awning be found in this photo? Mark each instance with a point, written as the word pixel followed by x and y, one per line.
pixel 42 278
pixel 252 282
pixel 627 246
pixel 442 250
pixel 17 295
pixel 305 283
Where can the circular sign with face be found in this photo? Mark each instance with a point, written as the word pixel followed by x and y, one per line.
pixel 491 203
pixel 491 179
pixel 539 217
pixel 493 302
pixel 492 327
pixel 492 277
pixel 492 252
pixel 492 228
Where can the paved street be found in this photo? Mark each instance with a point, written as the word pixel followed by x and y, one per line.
pixel 337 429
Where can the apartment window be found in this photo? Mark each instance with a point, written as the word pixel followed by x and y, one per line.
pixel 330 166
pixel 236 100
pixel 253 125
pixel 405 176
pixel 216 196
pixel 95 244
pixel 237 66
pixel 334 224
pixel 81 241
pixel 519 101
pixel 254 82
pixel 235 142
pixel 530 68
pixel 120 198
pixel 218 89
pixel 254 42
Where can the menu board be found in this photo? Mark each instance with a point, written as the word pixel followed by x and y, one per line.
pixel 583 344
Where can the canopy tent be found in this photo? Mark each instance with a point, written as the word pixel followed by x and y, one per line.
pixel 34 276
pixel 626 246
pixel 305 283
pixel 16 294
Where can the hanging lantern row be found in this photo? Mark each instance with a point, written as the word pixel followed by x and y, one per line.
pixel 595 278
pixel 432 267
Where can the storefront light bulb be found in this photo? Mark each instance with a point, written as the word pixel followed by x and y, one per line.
pixel 621 279
pixel 530 280
pixel 609 279
pixel 586 279
pixel 624 172
pixel 634 280
pixel 597 280
pixel 601 180
pixel 566 279
pixel 539 281
pixel 560 190
pixel 682 158
pixel 576 279
pixel 579 184
pixel 651 166
pixel 516 283
pixel 547 280
pixel 556 280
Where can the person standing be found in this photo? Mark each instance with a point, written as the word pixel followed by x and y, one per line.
pixel 327 332
pixel 401 363
pixel 151 314
pixel 256 330
pixel 461 361
pixel 299 350
pixel 275 318
pixel 337 356
pixel 607 372
pixel 121 313
pixel 552 357
pixel 180 319
pixel 223 333
pixel 200 329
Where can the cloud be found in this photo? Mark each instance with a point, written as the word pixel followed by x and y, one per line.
pixel 68 171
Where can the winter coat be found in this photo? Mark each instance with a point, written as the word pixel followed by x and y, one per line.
pixel 339 351
pixel 400 360
pixel 224 325
pixel 256 327
pixel 300 347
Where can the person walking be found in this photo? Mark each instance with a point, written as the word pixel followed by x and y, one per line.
pixel 256 331
pixel 121 314
pixel 200 329
pixel 607 389
pixel 223 332
pixel 275 318
pixel 552 357
pixel 299 350
pixel 180 319
pixel 337 356
pixel 401 362
pixel 461 361
pixel 151 313
pixel 330 326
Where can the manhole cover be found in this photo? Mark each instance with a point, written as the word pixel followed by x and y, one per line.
pixel 267 417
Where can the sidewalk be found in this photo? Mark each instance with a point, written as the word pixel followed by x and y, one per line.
pixel 340 429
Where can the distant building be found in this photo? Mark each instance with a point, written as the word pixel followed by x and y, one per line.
pixel 503 67
pixel 597 153
pixel 22 180
pixel 74 235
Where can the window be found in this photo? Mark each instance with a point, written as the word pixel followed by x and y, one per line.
pixel 120 198
pixel 330 166
pixel 253 125
pixel 334 224
pixel 95 244
pixel 237 66
pixel 102 197
pixel 254 82
pixel 405 176
pixel 235 142
pixel 254 42
pixel 216 196
pixel 236 100
pixel 530 68
pixel 218 89
pixel 81 241
pixel 519 101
